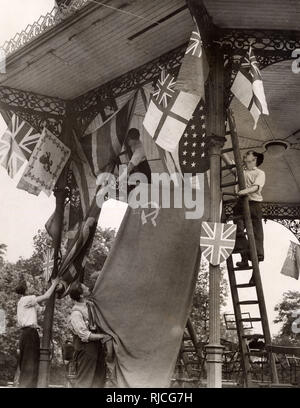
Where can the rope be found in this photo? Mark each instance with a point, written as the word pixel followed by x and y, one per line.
pixel 129 13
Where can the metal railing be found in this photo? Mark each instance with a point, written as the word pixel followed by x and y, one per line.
pixel 44 24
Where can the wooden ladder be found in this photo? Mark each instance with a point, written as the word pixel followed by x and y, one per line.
pixel 232 271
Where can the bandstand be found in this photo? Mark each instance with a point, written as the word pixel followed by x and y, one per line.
pixel 73 67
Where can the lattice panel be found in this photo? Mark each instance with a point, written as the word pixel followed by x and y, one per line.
pixel 271 211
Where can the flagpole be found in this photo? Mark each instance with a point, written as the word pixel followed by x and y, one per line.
pixel 60 195
pixel 44 366
pixel 216 132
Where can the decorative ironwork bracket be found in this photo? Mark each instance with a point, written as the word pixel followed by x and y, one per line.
pixel 285 214
pixel 37 110
pixel 292 225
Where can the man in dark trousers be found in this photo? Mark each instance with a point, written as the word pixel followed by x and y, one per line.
pixel 89 352
pixel 255 180
pixel 29 347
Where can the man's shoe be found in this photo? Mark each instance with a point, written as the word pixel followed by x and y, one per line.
pixel 260 258
pixel 242 264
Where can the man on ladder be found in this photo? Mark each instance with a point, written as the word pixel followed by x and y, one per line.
pixel 255 180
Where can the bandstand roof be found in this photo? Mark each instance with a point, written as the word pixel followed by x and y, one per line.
pixel 94 45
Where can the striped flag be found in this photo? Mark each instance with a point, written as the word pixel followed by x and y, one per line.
pixel 95 153
pixel 17 144
pixel 248 87
pixel 103 146
pixel 217 241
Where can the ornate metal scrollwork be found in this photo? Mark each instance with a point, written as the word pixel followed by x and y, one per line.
pixel 292 225
pixel 87 106
pixel 38 110
pixel 45 23
pixel 271 211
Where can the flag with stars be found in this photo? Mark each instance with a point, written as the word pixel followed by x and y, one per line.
pixel 217 241
pixel 168 113
pixel 191 154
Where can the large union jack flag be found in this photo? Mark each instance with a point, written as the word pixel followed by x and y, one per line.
pixel 17 144
pixel 217 241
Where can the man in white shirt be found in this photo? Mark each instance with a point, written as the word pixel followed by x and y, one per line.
pixel 255 180
pixel 29 347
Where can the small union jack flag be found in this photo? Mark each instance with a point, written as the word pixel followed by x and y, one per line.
pixel 48 263
pixel 164 89
pixel 195 44
pixel 217 241
pixel 17 144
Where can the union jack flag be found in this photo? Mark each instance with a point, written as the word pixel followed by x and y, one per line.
pixel 17 144
pixel 195 44
pixel 164 89
pixel 217 241
pixel 48 263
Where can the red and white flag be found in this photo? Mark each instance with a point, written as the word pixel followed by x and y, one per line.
pixel 248 87
pixel 169 112
pixel 194 68
pixel 217 241
pixel 291 266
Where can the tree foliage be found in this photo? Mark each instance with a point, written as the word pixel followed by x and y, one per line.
pixel 200 307
pixel 31 271
pixel 286 310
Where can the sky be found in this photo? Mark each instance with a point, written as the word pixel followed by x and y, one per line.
pixel 22 214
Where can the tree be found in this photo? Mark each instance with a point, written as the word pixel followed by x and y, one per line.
pixel 286 314
pixel 200 307
pixel 31 271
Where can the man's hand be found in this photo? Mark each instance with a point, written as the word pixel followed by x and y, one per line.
pixel 242 192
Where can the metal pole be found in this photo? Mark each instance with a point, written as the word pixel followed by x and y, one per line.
pixel 216 130
pixel 44 366
pixel 60 195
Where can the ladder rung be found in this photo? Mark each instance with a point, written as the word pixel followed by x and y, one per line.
pixel 248 302
pixel 227 150
pixel 253 336
pixel 245 285
pixel 232 183
pixel 248 268
pixel 228 167
pixel 251 319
